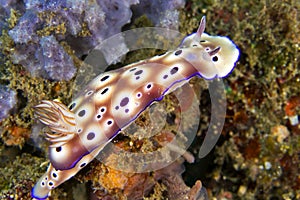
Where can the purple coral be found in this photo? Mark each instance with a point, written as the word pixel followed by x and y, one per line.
pixel 46 59
pixel 86 23
pixel 57 63
pixel 8 100
pixel 26 30
pixel 161 12
pixel 6 7
pixel 43 55
pixel 45 5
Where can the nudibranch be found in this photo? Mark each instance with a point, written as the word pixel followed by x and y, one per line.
pixel 114 99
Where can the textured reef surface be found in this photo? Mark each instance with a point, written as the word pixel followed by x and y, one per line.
pixel 8 101
pixel 43 44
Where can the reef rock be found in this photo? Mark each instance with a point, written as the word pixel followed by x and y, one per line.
pixel 8 100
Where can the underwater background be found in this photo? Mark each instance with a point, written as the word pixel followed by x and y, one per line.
pixel 257 155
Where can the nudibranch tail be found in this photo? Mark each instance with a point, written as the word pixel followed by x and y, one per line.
pixel 114 99
pixel 53 178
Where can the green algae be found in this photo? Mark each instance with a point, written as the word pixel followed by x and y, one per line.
pixel 49 28
pixel 17 184
pixel 13 19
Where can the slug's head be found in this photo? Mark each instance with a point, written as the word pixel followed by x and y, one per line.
pixel 221 50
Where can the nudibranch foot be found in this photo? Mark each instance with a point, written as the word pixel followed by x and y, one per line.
pixel 114 99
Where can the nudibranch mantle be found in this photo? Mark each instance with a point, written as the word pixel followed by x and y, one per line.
pixel 115 99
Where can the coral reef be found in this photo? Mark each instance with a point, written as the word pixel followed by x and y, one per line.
pixel 8 100
pixel 161 13
pixel 6 8
pixel 63 69
pixel 16 184
pixel 83 25
pixel 259 147
pixel 257 156
pixel 108 183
